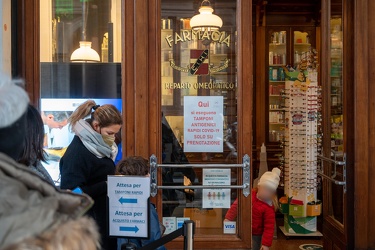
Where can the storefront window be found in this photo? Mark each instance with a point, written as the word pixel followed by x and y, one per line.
pixel 80 59
pixel 199 105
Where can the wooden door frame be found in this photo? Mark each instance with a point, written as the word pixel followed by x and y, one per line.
pixel 334 233
pixel 364 123
pixel 27 58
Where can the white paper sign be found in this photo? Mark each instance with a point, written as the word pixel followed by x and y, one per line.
pixel 170 224
pixel 216 198
pixel 203 124
pixel 129 206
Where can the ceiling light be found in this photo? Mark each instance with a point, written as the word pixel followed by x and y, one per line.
pixel 205 20
pixel 85 53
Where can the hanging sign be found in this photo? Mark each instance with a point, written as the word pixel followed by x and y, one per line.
pixel 129 206
pixel 216 198
pixel 203 124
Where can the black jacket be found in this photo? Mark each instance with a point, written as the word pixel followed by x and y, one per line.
pixel 80 168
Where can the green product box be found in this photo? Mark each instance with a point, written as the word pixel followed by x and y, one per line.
pixel 300 225
pixel 292 76
pixel 284 208
pixel 297 210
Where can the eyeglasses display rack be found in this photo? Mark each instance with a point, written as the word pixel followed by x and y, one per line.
pixel 301 145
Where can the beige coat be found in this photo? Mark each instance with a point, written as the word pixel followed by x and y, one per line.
pixel 29 205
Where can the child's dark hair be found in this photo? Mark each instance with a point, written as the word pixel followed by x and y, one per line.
pixel 134 165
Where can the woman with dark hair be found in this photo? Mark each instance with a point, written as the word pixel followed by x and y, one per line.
pixel 33 153
pixel 89 158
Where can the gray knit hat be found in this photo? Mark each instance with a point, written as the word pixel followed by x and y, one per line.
pixel 13 101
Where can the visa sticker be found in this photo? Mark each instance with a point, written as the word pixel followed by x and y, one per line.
pixel 229 227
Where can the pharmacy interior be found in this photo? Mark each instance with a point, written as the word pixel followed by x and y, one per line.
pixel 212 82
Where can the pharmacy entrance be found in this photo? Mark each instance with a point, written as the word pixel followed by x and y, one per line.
pixel 204 122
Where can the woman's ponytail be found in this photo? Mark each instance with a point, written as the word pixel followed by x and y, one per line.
pixel 84 110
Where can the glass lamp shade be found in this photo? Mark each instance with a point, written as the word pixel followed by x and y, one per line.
pixel 205 20
pixel 85 53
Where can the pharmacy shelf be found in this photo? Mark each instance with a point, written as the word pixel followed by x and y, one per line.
pixel 302 44
pixel 277 44
pixel 276 65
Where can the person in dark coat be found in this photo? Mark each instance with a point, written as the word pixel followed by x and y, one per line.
pixel 89 159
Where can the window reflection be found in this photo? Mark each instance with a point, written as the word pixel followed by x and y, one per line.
pixel 336 208
pixel 64 24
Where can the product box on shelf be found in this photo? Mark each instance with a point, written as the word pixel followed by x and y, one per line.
pixel 284 208
pixel 293 75
pixel 296 210
pixel 299 225
pixel 313 210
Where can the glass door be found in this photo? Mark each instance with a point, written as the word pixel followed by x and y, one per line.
pixel 337 126
pixel 337 117
pixel 199 119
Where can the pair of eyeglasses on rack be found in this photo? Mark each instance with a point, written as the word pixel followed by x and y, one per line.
pixel 311 190
pixel 298 162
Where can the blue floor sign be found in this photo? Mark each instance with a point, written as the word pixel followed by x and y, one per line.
pixel 128 206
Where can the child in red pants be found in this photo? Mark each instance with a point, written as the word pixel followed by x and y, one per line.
pixel 264 205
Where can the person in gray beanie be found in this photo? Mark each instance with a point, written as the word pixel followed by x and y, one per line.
pixel 33 213
pixel 13 104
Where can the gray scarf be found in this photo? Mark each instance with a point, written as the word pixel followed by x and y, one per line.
pixel 92 140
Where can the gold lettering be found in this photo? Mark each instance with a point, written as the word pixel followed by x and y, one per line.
pixel 186 34
pixel 205 35
pixel 222 36
pixel 169 40
pixel 168 85
pixel 201 85
pixel 195 34
pixel 177 38
pixel 227 40
pixel 215 36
